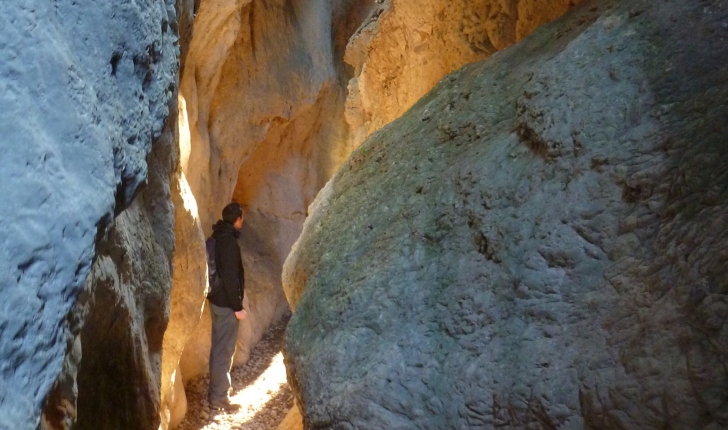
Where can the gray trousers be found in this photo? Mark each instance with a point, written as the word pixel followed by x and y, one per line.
pixel 224 337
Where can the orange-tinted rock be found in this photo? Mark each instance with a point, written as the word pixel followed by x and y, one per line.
pixel 406 47
pixel 263 91
pixel 262 123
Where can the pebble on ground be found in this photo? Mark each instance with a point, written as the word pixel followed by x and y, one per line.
pixel 259 387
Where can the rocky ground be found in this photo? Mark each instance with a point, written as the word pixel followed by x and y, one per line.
pixel 259 387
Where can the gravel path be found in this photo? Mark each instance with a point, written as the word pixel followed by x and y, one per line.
pixel 259 387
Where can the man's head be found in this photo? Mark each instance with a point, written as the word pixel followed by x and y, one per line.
pixel 234 214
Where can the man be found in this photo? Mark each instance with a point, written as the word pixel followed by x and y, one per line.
pixel 226 305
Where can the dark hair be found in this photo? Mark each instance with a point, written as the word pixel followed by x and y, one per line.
pixel 232 212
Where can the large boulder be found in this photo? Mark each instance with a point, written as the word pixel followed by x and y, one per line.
pixel 86 87
pixel 538 243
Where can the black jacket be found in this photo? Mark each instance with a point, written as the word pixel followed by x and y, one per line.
pixel 229 267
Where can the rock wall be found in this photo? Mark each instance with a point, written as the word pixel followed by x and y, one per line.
pixel 189 263
pixel 186 298
pixel 264 106
pixel 86 87
pixel 540 242
pixel 262 117
pixel 404 48
pixel 119 375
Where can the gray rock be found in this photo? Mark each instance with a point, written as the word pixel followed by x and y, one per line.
pixel 85 88
pixel 539 243
pixel 126 307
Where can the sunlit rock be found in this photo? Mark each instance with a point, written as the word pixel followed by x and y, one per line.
pixel 264 90
pixel 186 299
pixel 405 47
pixel 292 420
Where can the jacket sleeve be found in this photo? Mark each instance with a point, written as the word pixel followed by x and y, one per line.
pixel 229 264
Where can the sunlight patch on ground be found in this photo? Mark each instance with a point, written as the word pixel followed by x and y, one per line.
pixel 257 394
pixel 254 397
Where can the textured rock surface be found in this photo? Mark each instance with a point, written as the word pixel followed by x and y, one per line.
pixel 85 88
pixel 264 101
pixel 190 261
pixel 539 243
pixel 404 48
pixel 186 299
pixel 121 341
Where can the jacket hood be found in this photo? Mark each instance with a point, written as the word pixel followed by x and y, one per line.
pixel 222 228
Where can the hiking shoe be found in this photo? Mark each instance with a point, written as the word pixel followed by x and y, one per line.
pixel 225 405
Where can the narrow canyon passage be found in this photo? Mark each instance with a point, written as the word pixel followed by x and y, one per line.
pixel 490 214
pixel 275 99
pixel 274 96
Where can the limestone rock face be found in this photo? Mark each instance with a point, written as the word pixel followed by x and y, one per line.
pixel 404 48
pixel 190 262
pixel 186 299
pixel 128 307
pixel 540 242
pixel 111 374
pixel 264 105
pixel 85 88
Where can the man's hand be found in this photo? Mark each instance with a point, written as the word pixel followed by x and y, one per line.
pixel 241 314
